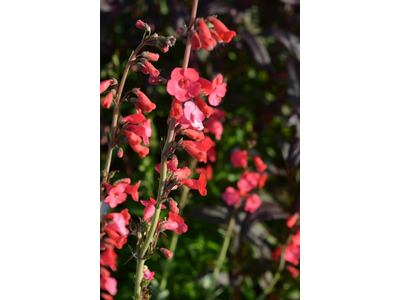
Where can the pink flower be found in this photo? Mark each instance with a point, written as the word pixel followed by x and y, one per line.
pixel 218 91
pixel 183 84
pixel 291 221
pixel 175 223
pixel 119 223
pixel 231 196
pixel 239 158
pixel 214 125
pixel 147 274
pixel 116 195
pixel 252 203
pixel 248 181
pixel 173 206
pixel 114 238
pixel 143 102
pixel 150 209
pixel 292 254
pixel 170 166
pixel 106 282
pixel 192 117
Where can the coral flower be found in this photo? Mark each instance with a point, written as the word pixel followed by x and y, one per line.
pixel 239 158
pixel 175 223
pixel 176 109
pixel 260 166
pixel 196 184
pixel 166 253
pixel 106 83
pixel 106 102
pixel 225 34
pixel 205 35
pixel 183 84
pixel 115 196
pixel 143 102
pixel 248 181
pixel 192 117
pixel 195 41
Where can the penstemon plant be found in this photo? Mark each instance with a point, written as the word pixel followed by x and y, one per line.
pixel 188 111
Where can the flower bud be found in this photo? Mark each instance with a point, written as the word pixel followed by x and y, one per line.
pixel 142 68
pixel 142 25
pixel 106 102
pixel 120 152
pixel 195 41
pixel 157 80
pixel 166 253
pixel 180 31
pixel 150 56
pixel 173 206
pixel 152 70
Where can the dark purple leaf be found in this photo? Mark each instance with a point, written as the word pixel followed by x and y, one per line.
pixel 257 49
pixel 289 40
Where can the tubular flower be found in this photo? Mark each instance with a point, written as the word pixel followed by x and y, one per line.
pixel 150 209
pixel 193 134
pixel 151 56
pixel 225 34
pixel 182 173
pixel 231 196
pixel 106 83
pixel 147 274
pixel 133 191
pixel 152 70
pixel 173 207
pixel 262 180
pixel 114 238
pixel 137 118
pixel 142 25
pixel 176 109
pixel 205 35
pixel 183 84
pixel 200 155
pixel 260 166
pixel 252 203
pixel 106 282
pixel 239 158
pixel 195 41
pixel 119 223
pixel 175 223
pixel 142 68
pixel 205 109
pixel 143 102
pixel 133 137
pixel 106 102
pixel 214 125
pixel 207 170
pixel 196 184
pixel 109 258
pixel 216 36
pixel 140 150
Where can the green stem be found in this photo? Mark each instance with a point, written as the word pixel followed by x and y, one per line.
pixel 114 122
pixel 222 254
pixel 175 236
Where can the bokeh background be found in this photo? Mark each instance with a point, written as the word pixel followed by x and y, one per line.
pixel 262 104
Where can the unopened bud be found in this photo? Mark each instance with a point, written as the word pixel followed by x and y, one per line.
pixel 157 80
pixel 142 68
pixel 151 56
pixel 120 152
pixel 142 25
pixel 166 253
pixel 180 30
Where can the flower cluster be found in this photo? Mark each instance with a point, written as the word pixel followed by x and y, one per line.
pixel 208 32
pixel 292 250
pixel 248 181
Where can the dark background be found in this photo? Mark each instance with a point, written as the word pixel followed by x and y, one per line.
pixel 261 68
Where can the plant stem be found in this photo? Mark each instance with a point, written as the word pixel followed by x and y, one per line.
pixel 163 177
pixel 223 252
pixel 175 236
pixel 114 122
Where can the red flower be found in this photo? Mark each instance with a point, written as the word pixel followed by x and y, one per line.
pixel 115 239
pixel 194 152
pixel 292 270
pixel 106 102
pixel 107 283
pixel 214 125
pixel 105 84
pixel 140 150
pixel 151 56
pixel 176 109
pixel 239 158
pixel 231 196
pixel 260 166
pixel 218 91
pixel 205 35
pixel 173 206
pixel 252 203
pixel 133 137
pixel 143 103
pixel 152 70
pixel 225 34
pixel 150 209
pixel 262 180
pixel 216 36
pixel 196 184
pixel 205 109
pixel 183 84
pixel 292 254
pixel 175 223
pixel 193 134
pixel 142 25
pixel 133 191
pixel 119 222
pixel 291 221
pixel 109 258
pixel 134 119
pixel 195 41
pixel 207 170
pixel 182 173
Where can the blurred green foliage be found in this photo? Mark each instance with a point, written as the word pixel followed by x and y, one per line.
pixel 261 68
